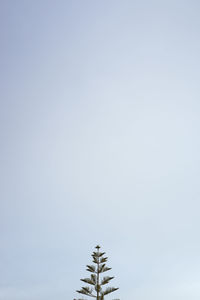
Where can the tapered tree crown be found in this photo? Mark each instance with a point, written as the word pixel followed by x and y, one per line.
pixel 97 281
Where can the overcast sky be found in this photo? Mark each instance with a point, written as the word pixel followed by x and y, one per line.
pixel 100 122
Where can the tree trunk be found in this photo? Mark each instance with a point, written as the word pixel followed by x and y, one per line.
pixel 98 277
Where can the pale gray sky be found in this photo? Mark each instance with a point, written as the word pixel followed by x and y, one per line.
pixel 100 120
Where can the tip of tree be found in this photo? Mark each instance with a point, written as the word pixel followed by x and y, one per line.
pixel 97 247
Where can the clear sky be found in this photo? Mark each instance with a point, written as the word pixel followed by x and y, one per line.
pixel 100 122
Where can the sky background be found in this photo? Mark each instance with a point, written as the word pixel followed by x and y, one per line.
pixel 99 131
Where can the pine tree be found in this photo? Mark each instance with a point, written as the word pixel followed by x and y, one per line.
pixel 97 282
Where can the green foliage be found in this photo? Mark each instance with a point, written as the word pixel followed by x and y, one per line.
pixel 91 269
pixel 109 290
pixel 88 280
pixel 96 291
pixel 106 279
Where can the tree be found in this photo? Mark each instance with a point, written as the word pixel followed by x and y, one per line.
pixel 95 281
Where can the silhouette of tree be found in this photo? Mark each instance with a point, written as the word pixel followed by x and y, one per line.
pixel 96 289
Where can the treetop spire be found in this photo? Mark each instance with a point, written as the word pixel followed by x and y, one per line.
pixel 96 280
